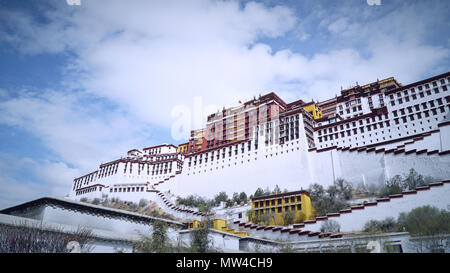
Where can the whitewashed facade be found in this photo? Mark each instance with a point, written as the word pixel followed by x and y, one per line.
pixel 392 130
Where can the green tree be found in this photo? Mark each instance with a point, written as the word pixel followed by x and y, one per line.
pixel 413 180
pixel 267 217
pixel 325 201
pixel 428 226
pixel 250 215
pixel 393 186
pixel 236 198
pixel 143 203
pixel 316 192
pixel 200 241
pixel 425 221
pixel 330 226
pixel 344 189
pixel 276 190
pixel 243 197
pixel 221 197
pixel 387 225
pixel 229 203
pixel 258 193
pixel 288 217
pixel 159 242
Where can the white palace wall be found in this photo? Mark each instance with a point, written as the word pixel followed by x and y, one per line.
pixel 287 166
pixel 293 167
pixel 375 167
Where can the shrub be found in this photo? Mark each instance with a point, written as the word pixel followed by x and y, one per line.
pixel 332 199
pixel 243 197
pixel 267 217
pixel 330 226
pixel 288 217
pixel 143 203
pixel 426 220
pixel 23 238
pixel 200 242
pixel 397 184
pixel 393 186
pixel 387 225
pixel 158 243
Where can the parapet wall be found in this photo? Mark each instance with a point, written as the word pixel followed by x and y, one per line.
pixel 354 219
pixel 375 165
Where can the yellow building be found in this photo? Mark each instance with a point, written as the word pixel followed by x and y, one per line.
pixel 218 224
pixel 183 148
pixel 313 109
pixel 276 206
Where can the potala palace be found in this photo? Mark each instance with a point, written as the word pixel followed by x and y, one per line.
pixel 365 135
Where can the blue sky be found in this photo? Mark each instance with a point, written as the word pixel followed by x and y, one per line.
pixel 81 85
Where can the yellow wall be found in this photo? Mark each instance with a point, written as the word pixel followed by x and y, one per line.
pixel 194 224
pixel 312 108
pixel 182 148
pixel 219 223
pixel 307 207
pixel 305 212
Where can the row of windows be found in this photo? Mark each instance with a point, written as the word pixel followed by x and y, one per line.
pixel 426 114
pixel 128 189
pixel 279 209
pixel 84 180
pixel 109 170
pixel 154 151
pixel 388 131
pixel 164 157
pixel 354 131
pixel 353 124
pixel 405 99
pixel 88 190
pixel 412 91
pixel 278 201
pixel 204 157
pixel 380 125
pixel 424 106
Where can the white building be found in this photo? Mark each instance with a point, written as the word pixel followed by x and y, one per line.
pixel 377 131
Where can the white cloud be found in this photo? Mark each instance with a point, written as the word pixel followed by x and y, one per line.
pixel 79 132
pixel 339 25
pixel 149 56
pixel 23 179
